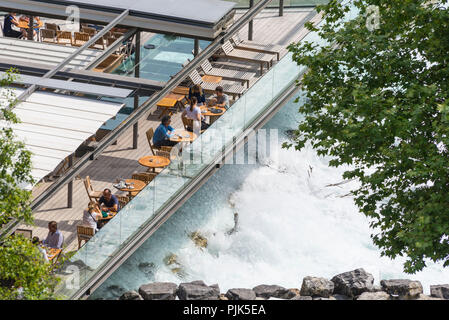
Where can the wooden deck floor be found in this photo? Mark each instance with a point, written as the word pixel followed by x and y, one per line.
pixel 120 160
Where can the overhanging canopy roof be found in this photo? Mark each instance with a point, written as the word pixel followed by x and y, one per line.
pixel 44 53
pixel 53 125
pixel 194 18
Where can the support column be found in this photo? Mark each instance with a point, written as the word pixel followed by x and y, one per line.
pixel 281 8
pixel 30 29
pixel 136 96
pixel 70 186
pixel 250 24
pixel 196 47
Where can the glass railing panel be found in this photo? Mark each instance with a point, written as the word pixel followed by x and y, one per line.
pixel 183 171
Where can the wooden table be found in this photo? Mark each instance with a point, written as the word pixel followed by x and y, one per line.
pixel 212 116
pixel 181 90
pixel 170 101
pixel 213 79
pixel 154 162
pixel 52 253
pixel 138 186
pixel 109 217
pixel 187 136
pixel 24 24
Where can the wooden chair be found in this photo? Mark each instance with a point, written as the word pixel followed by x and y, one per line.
pixel 25 232
pixel 48 35
pixel 229 74
pixel 84 233
pixel 91 193
pixel 256 46
pixel 90 31
pixel 150 134
pixel 232 89
pixel 52 26
pixel 122 201
pixel 80 38
pixel 164 154
pixel 247 56
pixel 146 177
pixel 64 37
pixel 99 44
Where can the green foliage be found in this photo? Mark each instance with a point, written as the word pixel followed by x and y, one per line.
pixel 23 271
pixel 22 266
pixel 15 161
pixel 378 101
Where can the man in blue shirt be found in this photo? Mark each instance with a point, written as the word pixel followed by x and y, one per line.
pixel 108 202
pixel 54 238
pixel 10 19
pixel 163 133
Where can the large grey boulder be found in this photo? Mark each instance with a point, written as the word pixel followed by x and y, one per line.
pixel 240 294
pixel 314 286
pixel 379 295
pixel 158 291
pixel 404 288
pixel 130 295
pixel 440 291
pixel 266 291
pixel 198 290
pixel 425 297
pixel 353 283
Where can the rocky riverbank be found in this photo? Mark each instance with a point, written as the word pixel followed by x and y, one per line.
pixel 352 285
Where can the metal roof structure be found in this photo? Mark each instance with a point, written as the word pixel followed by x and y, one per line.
pixel 53 125
pixel 72 86
pixel 193 18
pixel 45 53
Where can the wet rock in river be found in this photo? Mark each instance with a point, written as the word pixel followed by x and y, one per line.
pixel 147 268
pixel 315 286
pixel 158 291
pixel 198 290
pixel 440 291
pixel 130 295
pixel 404 288
pixel 353 283
pixel 200 241
pixel 266 291
pixel 240 294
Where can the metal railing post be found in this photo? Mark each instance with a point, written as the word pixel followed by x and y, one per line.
pixel 281 8
pixel 70 186
pixel 136 96
pixel 250 24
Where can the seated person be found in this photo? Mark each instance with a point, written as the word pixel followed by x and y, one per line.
pixel 108 202
pixel 10 19
pixel 36 242
pixel 91 216
pixel 219 99
pixel 197 92
pixel 193 112
pixel 54 238
pixel 163 133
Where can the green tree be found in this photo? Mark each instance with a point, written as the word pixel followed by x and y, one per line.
pixel 378 101
pixel 23 273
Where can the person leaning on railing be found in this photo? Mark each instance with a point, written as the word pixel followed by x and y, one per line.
pixel 163 133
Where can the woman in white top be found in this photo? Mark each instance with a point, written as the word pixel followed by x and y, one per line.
pixel 193 112
pixel 91 216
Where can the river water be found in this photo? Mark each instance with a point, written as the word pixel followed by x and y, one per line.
pixel 291 224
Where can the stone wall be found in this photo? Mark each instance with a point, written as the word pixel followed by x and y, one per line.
pixel 351 285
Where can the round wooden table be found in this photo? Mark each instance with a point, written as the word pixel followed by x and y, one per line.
pixel 111 214
pixel 154 162
pixel 186 136
pixel 212 116
pixel 138 186
pixel 25 25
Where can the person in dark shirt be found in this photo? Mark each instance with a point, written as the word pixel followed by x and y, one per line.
pixel 163 133
pixel 10 19
pixel 108 202
pixel 197 92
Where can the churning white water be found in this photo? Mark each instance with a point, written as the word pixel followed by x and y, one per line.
pixel 291 224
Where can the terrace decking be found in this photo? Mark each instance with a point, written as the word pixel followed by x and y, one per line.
pixel 120 160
